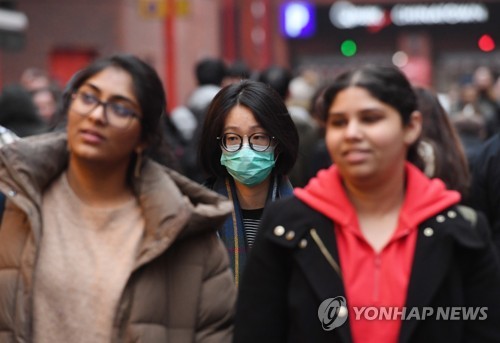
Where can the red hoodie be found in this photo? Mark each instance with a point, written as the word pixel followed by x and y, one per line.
pixel 370 278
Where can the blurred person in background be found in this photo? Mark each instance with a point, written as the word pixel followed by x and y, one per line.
pixel 48 101
pixel 33 79
pixel 483 80
pixel 485 185
pixel 371 232
pixel 18 113
pixel 236 72
pixel 469 121
pixel 301 90
pixel 279 79
pixel 98 243
pixel 248 145
pixel 496 91
pixel 46 94
pixel 467 102
pixel 210 73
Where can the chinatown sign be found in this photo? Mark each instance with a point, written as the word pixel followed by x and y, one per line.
pixel 345 15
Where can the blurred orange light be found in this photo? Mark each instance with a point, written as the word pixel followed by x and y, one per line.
pixel 486 43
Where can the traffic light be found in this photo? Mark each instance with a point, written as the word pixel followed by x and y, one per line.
pixel 486 43
pixel 348 48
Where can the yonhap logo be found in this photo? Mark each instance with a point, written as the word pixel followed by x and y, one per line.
pixel 332 313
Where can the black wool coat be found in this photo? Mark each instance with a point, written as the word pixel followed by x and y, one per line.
pixel 288 276
pixel 484 194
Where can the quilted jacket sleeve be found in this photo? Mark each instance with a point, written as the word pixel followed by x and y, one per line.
pixel 217 298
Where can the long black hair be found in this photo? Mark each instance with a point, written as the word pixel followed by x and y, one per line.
pixel 270 112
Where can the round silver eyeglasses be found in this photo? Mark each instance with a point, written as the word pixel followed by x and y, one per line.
pixel 233 142
pixel 117 112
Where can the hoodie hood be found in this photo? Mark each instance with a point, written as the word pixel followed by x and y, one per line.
pixel 423 197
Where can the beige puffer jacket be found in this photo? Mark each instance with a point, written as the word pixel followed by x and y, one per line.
pixel 181 289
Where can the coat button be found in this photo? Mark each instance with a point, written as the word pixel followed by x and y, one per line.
pixel 303 243
pixel 440 218
pixel 279 230
pixel 428 232
pixel 452 214
pixel 342 311
pixel 290 235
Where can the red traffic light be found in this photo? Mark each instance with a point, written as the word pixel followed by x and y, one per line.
pixel 486 43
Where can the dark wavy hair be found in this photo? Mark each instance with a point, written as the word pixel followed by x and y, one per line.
pixel 150 94
pixel 269 111
pixel 385 83
pixel 450 164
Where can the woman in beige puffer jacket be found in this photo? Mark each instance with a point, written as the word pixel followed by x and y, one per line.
pixel 97 243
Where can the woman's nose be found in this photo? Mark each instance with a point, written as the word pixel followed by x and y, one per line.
pixel 99 113
pixel 353 129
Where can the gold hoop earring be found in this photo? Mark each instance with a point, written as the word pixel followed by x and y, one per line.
pixel 138 164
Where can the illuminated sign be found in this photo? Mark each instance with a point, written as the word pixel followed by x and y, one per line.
pixel 345 15
pixel 298 20
pixel 445 13
pixel 13 20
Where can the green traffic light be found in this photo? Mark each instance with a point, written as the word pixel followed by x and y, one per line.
pixel 348 48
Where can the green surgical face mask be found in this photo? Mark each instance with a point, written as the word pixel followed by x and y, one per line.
pixel 248 166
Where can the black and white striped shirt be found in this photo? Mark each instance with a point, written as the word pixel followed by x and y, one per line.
pixel 251 222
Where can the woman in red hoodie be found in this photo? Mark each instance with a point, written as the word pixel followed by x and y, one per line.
pixel 371 250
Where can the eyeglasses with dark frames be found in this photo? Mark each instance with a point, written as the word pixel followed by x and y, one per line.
pixel 233 142
pixel 118 113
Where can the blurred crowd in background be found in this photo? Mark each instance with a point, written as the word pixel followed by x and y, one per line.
pixel 472 104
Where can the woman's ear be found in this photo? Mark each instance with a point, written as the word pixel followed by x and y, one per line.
pixel 414 128
pixel 139 149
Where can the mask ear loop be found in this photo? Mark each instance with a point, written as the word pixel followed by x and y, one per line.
pixel 276 156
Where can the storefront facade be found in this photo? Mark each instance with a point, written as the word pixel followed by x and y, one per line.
pixel 435 43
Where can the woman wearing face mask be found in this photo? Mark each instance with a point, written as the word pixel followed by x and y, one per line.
pixel 371 250
pixel 247 146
